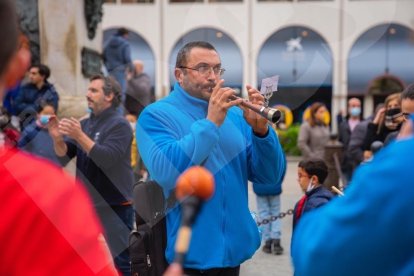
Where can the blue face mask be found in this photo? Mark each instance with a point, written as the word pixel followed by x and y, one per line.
pixel 355 111
pixel 88 110
pixel 44 119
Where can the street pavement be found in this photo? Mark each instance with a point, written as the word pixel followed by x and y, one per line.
pixel 263 264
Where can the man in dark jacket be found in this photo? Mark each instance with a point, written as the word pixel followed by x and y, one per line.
pixel 117 58
pixel 33 94
pixel 345 130
pixel 102 145
pixel 138 89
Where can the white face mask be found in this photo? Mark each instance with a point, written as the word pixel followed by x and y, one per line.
pixel 132 126
pixel 310 186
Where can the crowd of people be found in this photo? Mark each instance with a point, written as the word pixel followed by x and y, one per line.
pixel 360 138
pixel 82 225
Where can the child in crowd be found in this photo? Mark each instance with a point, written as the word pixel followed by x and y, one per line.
pixel 36 139
pixel 311 175
pixel 140 171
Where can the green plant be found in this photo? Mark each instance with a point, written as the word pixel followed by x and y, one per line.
pixel 288 139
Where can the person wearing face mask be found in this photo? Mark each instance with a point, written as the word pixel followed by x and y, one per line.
pixel 36 139
pixel 311 175
pixel 140 171
pixel 345 130
pixel 388 119
pixel 314 133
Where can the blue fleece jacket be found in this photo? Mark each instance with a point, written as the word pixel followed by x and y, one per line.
pixel 174 134
pixel 369 231
pixel 268 190
pixel 117 53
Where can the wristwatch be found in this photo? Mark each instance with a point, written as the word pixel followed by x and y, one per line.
pixel 261 135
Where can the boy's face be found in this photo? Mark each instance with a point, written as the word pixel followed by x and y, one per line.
pixel 303 179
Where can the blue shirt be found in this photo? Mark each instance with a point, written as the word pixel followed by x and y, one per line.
pixel 174 134
pixel 369 231
pixel 106 171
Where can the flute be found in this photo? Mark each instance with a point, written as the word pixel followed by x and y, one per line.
pixel 271 114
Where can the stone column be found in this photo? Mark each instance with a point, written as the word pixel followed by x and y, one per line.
pixel 63 35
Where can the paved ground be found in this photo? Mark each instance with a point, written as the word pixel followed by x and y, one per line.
pixel 268 264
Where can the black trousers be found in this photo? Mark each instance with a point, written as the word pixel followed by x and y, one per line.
pixel 226 271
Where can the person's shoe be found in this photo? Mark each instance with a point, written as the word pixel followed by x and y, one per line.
pixel 277 248
pixel 267 248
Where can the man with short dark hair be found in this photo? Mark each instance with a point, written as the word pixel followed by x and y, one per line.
pixel 198 123
pixel 117 58
pixel 31 95
pixel 102 145
pixel 47 222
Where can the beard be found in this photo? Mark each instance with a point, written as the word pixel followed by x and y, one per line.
pixel 199 91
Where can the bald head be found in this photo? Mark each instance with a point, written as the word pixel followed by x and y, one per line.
pixel 354 108
pixel 139 66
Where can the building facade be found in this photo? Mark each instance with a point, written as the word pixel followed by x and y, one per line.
pixel 323 50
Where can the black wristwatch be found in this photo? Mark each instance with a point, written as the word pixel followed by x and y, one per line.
pixel 261 135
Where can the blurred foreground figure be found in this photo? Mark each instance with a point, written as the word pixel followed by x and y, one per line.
pixel 43 212
pixel 369 231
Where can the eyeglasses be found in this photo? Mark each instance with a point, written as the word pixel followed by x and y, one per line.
pixel 205 71
pixel 406 116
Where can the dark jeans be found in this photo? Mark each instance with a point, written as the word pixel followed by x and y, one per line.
pixel 226 271
pixel 118 223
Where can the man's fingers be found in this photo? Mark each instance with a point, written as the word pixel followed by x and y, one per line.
pixel 219 93
pixel 218 87
pixel 226 93
pixel 256 98
pixel 233 103
pixel 76 122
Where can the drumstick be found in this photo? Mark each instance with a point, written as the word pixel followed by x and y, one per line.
pixel 336 190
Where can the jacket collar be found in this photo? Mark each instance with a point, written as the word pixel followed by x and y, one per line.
pixel 107 112
pixel 46 86
pixel 314 191
pixel 190 104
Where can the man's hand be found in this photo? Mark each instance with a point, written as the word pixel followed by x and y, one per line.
pixel 257 122
pixel 220 103
pixel 71 127
pixel 53 127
